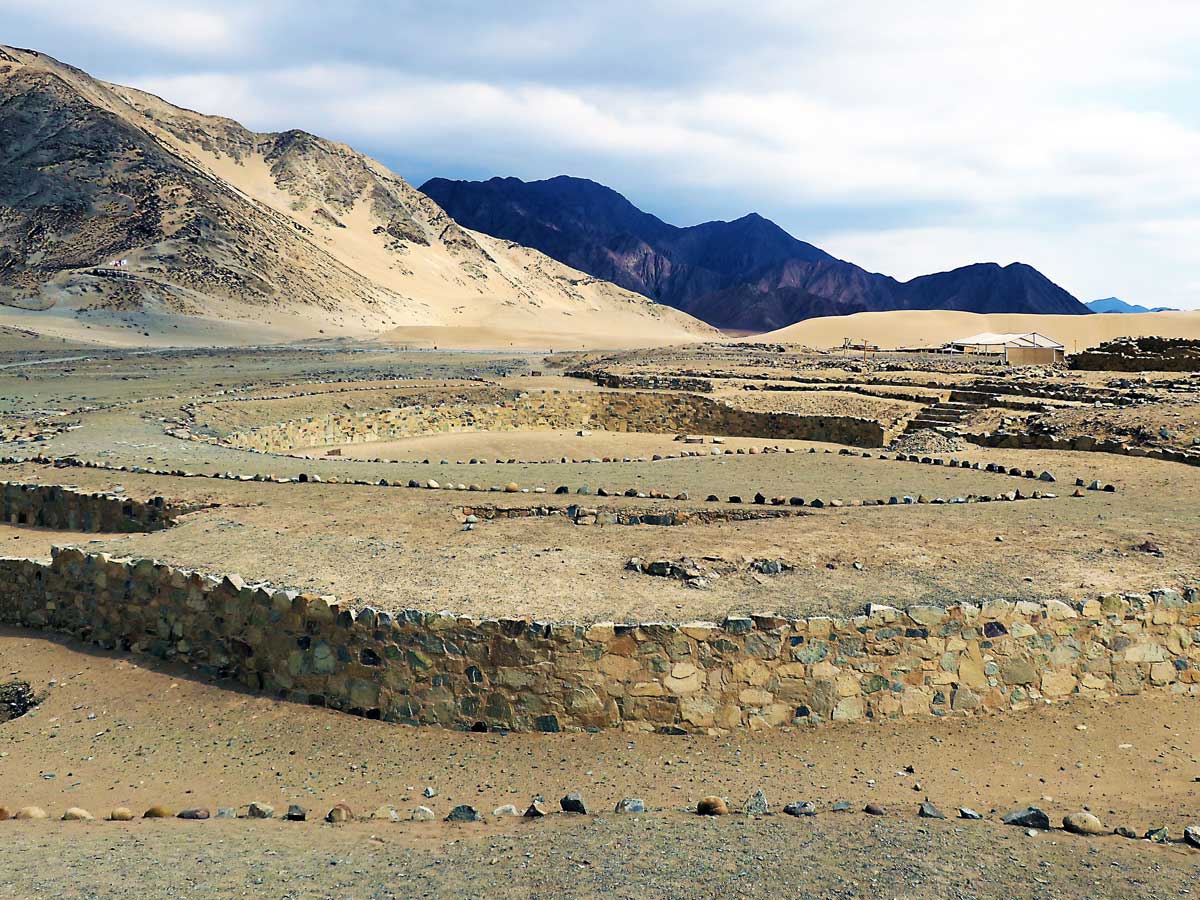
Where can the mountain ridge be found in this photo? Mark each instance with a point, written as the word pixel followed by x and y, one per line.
pixel 747 273
pixel 1117 305
pixel 282 234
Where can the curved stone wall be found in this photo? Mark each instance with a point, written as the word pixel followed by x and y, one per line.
pixel 612 411
pixel 756 672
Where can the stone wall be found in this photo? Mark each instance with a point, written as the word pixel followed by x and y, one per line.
pixel 624 411
pixel 756 672
pixel 1144 354
pixel 52 506
pixel 600 515
pixel 646 382
pixel 1024 440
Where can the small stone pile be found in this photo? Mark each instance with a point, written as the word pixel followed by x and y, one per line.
pixel 16 699
pixel 926 441
pixel 701 573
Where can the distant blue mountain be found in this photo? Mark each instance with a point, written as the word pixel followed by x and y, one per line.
pixel 1115 305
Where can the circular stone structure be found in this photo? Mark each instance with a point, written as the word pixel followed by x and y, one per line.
pixel 506 411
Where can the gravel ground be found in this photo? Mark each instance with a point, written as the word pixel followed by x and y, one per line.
pixel 622 858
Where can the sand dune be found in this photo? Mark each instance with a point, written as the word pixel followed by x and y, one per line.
pixel 597 334
pixel 931 328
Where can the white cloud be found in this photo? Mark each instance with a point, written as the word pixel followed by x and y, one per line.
pixel 200 29
pixel 931 133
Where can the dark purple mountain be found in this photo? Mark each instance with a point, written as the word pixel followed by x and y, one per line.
pixel 746 274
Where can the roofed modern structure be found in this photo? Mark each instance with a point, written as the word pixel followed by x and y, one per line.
pixel 1027 349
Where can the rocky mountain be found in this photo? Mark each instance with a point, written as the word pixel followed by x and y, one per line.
pixel 117 207
pixel 746 274
pixel 1117 305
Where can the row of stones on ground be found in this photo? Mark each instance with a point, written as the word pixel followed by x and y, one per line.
pixel 759 499
pixel 1031 818
pixel 994 468
pixel 339 814
pixel 596 515
pixel 514 488
pixel 562 460
pixel 953 462
pixel 254 395
pixel 34 432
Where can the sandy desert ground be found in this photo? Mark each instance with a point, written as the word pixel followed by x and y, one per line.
pixel 126 729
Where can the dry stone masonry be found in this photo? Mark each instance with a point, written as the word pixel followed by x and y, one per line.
pixel 52 506
pixel 746 672
pixel 1141 354
pixel 613 411
pixel 1025 440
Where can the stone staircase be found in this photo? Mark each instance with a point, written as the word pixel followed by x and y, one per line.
pixel 945 416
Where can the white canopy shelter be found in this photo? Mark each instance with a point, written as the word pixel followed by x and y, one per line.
pixel 1030 348
pixel 993 342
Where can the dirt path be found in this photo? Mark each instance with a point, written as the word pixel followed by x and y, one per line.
pixel 617 857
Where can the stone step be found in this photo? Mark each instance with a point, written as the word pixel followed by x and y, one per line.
pixel 946 413
pixel 939 427
pixel 964 408
pixel 982 398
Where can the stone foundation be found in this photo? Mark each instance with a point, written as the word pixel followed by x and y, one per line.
pixel 600 515
pixel 646 382
pixel 1143 354
pixel 755 672
pixel 657 413
pixel 1081 442
pixel 52 506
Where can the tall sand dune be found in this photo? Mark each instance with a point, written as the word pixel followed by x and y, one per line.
pixel 932 328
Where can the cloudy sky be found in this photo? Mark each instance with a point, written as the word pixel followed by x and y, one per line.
pixel 907 137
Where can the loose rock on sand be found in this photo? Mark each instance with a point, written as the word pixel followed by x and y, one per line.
pixel 339 814
pixel 1029 817
pixel 1082 823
